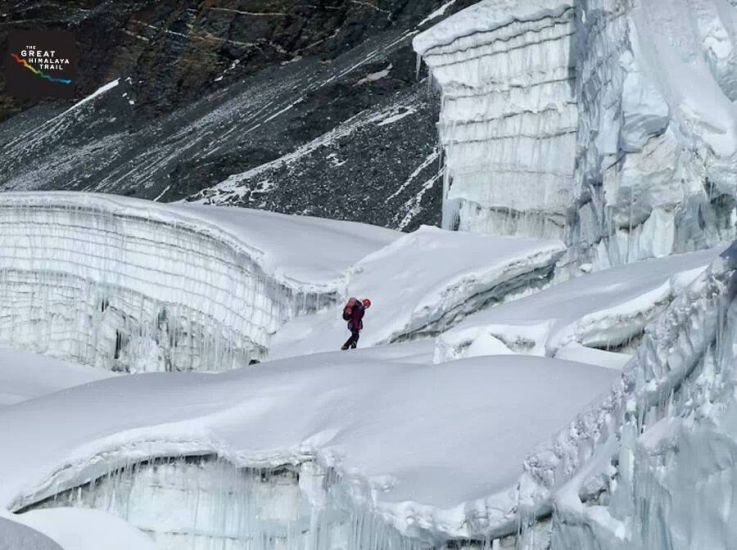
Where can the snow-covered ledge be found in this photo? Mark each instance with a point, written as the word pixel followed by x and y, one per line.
pixel 384 429
pixel 390 433
pixel 125 284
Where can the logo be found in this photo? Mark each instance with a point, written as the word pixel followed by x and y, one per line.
pixel 41 64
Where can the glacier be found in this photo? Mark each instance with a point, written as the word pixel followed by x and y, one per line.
pixel 606 311
pixel 476 340
pixel 381 433
pixel 78 282
pixel 229 285
pixel 366 465
pixel 553 369
pixel 580 121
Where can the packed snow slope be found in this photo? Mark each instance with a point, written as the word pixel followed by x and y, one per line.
pixel 69 529
pixel 16 536
pixel 584 120
pixel 26 375
pixel 126 284
pixel 384 426
pixel 606 310
pixel 423 283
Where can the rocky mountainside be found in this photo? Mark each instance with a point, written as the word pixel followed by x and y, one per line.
pixel 310 108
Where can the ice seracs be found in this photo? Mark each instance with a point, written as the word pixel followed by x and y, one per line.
pixel 656 142
pixel 132 285
pixel 584 121
pixel 508 119
pixel 603 311
pixel 665 476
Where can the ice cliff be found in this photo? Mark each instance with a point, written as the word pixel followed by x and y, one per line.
pixel 132 285
pixel 583 120
pixel 83 278
pixel 664 476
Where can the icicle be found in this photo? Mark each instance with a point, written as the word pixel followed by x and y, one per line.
pixel 95 299
pixel 212 504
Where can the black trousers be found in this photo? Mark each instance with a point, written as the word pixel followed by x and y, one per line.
pixel 353 340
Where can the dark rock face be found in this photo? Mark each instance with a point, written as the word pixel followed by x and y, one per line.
pixel 298 107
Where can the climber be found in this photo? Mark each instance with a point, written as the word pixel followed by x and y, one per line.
pixel 353 313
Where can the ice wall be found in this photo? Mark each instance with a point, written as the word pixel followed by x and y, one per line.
pixel 583 119
pixel 657 139
pixel 203 503
pixel 134 289
pixel 667 476
pixel 508 119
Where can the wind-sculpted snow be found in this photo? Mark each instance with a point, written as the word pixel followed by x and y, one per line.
pixel 131 285
pixel 390 433
pixel 606 310
pixel 535 88
pixel 26 375
pixel 424 283
pixel 16 536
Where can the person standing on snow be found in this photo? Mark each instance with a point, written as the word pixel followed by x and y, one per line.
pixel 353 313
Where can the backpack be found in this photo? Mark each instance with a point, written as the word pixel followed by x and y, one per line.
pixel 348 309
